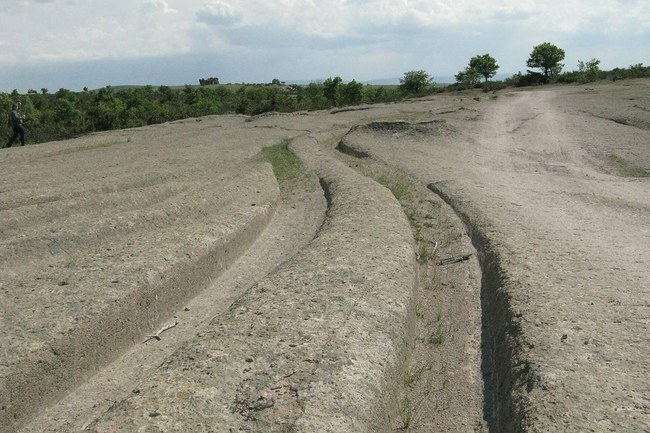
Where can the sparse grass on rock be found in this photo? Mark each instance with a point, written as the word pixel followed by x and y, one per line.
pixel 624 168
pixel 425 392
pixel 286 165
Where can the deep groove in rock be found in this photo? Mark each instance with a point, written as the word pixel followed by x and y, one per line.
pixel 503 373
pixel 67 361
pixel 343 147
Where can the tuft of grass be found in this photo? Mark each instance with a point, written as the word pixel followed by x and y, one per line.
pixel 433 283
pixel 423 254
pixel 286 165
pixel 407 412
pixel 437 336
pixel 398 188
pixel 625 168
pixel 414 374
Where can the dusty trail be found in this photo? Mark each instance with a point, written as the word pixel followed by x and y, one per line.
pixel 580 243
pixel 573 241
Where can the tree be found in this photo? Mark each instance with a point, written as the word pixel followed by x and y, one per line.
pixel 589 69
pixel 314 98
pixel 415 82
pixel 106 110
pixel 468 78
pixel 351 93
pixel 485 65
pixel 547 57
pixel 166 94
pixel 331 90
pixel 68 115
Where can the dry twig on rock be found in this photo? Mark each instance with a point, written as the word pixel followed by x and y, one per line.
pixel 160 331
pixel 454 259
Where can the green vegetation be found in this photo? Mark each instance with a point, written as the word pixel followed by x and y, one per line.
pixel 587 72
pixel 467 78
pixel 414 374
pixel 626 169
pixel 548 58
pixel 479 66
pixel 589 69
pixel 398 186
pixel 407 413
pixel 286 165
pixel 67 114
pixel 415 83
pixel 436 336
pixel 485 65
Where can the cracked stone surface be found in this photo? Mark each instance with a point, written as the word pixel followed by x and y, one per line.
pixel 311 307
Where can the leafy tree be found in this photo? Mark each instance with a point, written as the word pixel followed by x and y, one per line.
pixel 65 94
pixel 331 90
pixel 67 114
pixel 107 110
pixel 469 77
pixel 485 65
pixel 415 82
pixel 312 97
pixel 166 93
pixel 254 100
pixel 589 69
pixel 141 107
pixel 192 95
pixel 351 93
pixel 375 94
pixel 547 57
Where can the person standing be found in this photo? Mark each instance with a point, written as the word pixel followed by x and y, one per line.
pixel 16 121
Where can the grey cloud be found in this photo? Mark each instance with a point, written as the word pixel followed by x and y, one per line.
pixel 271 35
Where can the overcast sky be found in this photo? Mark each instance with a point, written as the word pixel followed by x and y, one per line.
pixel 76 43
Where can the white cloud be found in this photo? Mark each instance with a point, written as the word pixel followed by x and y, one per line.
pixel 149 6
pixel 219 13
pixel 322 37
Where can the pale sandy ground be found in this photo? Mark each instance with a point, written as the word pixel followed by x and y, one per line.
pixel 106 238
pixel 573 237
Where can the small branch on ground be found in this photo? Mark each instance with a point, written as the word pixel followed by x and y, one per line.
pixel 160 331
pixel 435 248
pixel 454 259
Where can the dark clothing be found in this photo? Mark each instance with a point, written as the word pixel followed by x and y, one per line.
pixel 17 125
pixel 18 130
pixel 15 119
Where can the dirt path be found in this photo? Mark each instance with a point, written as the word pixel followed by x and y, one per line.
pixel 531 175
pixel 580 242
